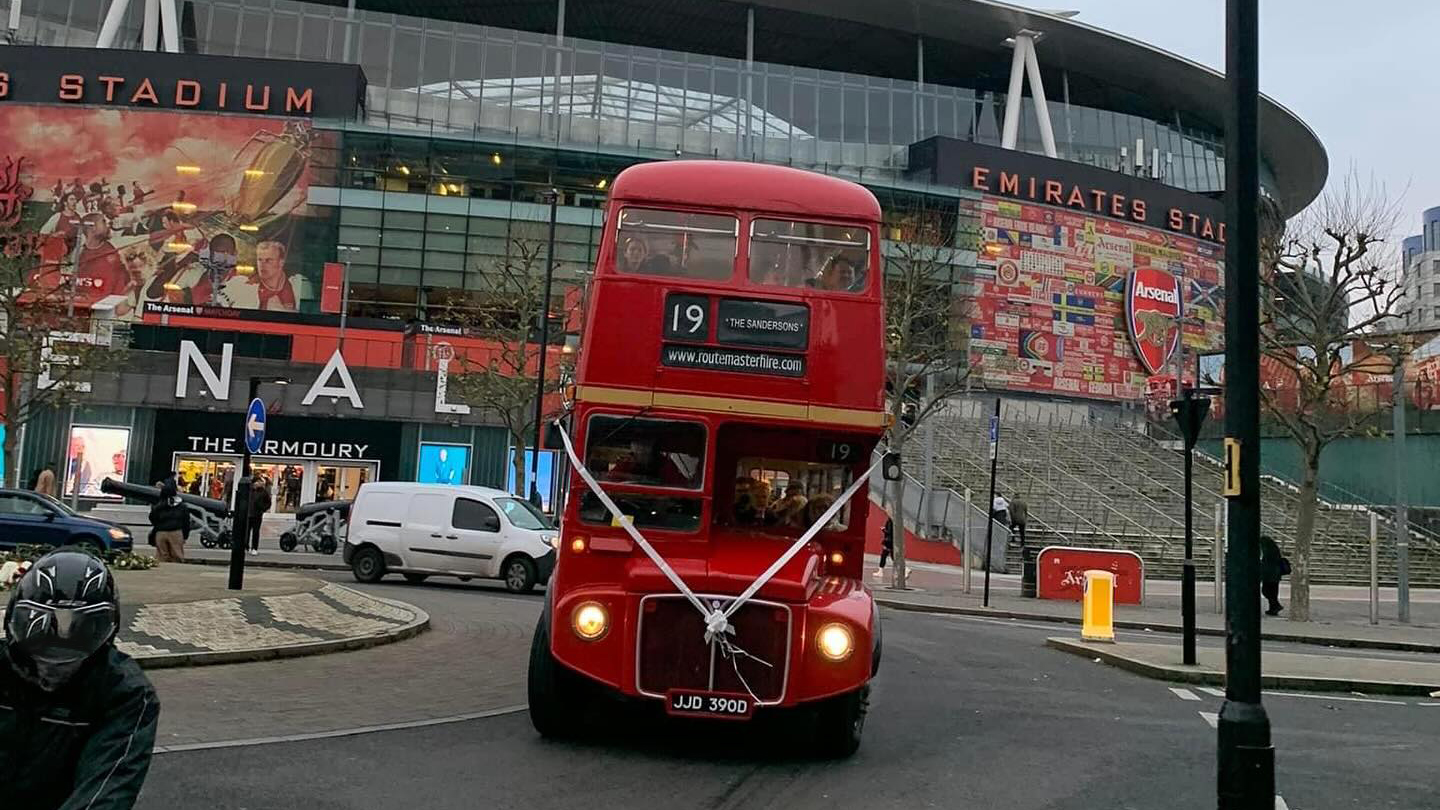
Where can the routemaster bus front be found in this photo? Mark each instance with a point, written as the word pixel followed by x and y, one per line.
pixel 728 406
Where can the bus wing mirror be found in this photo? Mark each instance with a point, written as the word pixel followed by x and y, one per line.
pixel 890 467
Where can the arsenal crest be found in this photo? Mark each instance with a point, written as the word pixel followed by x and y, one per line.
pixel 1152 309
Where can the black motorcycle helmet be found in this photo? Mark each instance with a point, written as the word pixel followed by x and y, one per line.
pixel 65 610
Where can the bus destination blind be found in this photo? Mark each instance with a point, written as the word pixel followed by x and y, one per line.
pixel 764 324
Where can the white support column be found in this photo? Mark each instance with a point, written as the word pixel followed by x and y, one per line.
pixel 150 35
pixel 111 26
pixel 1037 90
pixel 920 88
pixel 169 26
pixel 1010 133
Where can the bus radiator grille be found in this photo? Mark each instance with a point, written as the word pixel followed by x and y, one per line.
pixel 673 653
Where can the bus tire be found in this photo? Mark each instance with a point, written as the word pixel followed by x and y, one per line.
pixel 552 691
pixel 839 723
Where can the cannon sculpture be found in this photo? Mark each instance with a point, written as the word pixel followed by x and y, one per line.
pixel 319 525
pixel 209 519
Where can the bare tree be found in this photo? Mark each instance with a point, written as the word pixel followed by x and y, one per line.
pixel 50 348
pixel 1329 281
pixel 927 312
pixel 506 310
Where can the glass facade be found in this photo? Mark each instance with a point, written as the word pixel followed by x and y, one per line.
pixel 468 126
pixel 446 78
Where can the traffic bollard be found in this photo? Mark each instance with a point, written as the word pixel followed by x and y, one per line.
pixel 1097 615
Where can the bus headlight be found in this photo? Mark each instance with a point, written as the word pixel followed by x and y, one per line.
pixel 835 641
pixel 590 621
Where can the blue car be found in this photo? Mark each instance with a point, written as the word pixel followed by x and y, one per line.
pixel 29 518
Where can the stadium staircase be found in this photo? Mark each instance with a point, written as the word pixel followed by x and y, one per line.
pixel 1096 478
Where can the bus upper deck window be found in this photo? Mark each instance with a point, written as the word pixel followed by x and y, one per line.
pixel 654 242
pixel 834 258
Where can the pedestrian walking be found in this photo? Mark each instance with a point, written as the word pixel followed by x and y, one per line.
pixel 259 504
pixel 887 546
pixel 169 523
pixel 45 481
pixel 1000 510
pixel 1273 566
pixel 1019 516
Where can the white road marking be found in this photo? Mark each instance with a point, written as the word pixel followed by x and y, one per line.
pixel 1184 694
pixel 1212 718
pixel 1428 703
pixel 344 732
pixel 1280 803
pixel 1338 697
pixel 1210 690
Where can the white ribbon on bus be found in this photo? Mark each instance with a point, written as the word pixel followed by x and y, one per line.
pixel 717 621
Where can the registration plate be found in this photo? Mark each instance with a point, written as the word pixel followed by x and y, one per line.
pixel 682 703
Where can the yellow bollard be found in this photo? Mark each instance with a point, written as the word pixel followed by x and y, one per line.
pixel 1097 613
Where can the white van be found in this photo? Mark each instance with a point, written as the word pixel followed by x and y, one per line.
pixel 420 530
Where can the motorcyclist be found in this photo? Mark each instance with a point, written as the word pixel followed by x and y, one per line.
pixel 77 716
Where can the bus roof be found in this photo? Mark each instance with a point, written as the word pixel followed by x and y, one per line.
pixel 748 186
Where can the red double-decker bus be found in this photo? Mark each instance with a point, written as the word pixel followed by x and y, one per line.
pixel 728 400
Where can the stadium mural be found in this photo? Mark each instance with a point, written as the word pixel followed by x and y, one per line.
pixel 165 211
pixel 1053 311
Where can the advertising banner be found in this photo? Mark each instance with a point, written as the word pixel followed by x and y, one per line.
pixel 1051 292
pixel 165 209
pixel 443 463
pixel 96 453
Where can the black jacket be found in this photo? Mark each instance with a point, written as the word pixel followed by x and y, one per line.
pixel 1272 566
pixel 168 517
pixel 86 746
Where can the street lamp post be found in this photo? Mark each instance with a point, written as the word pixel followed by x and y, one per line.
pixel 349 252
pixel 1245 774
pixel 552 196
pixel 1189 411
pixel 240 522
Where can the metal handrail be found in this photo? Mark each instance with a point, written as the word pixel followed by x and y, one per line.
pixel 1057 499
pixel 1106 506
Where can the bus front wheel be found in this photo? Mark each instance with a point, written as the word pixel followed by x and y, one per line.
pixel 555 704
pixel 839 723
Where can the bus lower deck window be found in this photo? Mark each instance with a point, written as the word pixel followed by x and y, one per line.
pixel 646 511
pixel 649 452
pixel 788 494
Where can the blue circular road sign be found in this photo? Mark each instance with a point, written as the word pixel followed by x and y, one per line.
pixel 255 425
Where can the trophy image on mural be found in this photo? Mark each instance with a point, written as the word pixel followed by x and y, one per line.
pixel 278 164
pixel 148 212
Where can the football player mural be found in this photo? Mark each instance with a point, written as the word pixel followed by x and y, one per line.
pixel 156 207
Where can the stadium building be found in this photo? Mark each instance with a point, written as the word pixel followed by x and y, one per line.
pixel 316 189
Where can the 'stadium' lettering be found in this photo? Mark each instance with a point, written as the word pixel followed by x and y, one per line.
pixel 1156 293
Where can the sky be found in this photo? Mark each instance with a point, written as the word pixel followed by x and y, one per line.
pixel 1363 76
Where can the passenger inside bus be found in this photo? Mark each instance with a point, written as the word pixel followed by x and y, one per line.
pixel 832 258
pixel 839 275
pixel 633 255
pixel 621 450
pixel 808 488
pixel 645 466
